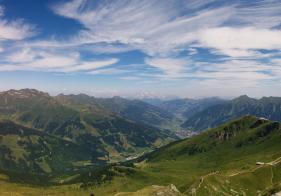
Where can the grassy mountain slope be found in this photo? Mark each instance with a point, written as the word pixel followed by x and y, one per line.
pixel 266 178
pixel 220 161
pixel 154 190
pixel 231 149
pixel 33 151
pixel 267 107
pixel 134 110
pixel 90 127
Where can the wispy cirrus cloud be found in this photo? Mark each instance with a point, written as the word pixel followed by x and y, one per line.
pixel 20 54
pixel 145 25
pixel 264 14
pixel 159 29
pixel 226 42
pixel 121 26
pixel 41 60
pixel 237 30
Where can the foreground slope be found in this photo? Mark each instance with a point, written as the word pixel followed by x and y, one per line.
pixel 154 190
pixel 220 161
pixel 229 152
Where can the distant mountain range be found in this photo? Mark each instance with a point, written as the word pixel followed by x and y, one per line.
pixel 185 108
pixel 135 110
pixel 266 107
pixel 201 114
pixel 182 110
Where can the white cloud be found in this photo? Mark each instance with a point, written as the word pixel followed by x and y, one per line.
pixel 162 30
pixel 109 71
pixel 90 65
pixel 22 56
pixel 236 77
pixel 54 61
pixel 192 51
pixel 276 61
pixel 259 13
pixel 44 60
pixel 198 4
pixel 28 57
pixel 233 74
pixel 240 41
pixel 131 78
pixel 165 28
pixel 14 30
pixel 42 55
pixel 169 66
pixel 156 28
pixel 59 65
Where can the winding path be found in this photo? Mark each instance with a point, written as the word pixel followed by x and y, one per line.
pixel 272 163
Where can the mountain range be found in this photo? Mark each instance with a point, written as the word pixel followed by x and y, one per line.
pixel 104 135
pixel 135 110
pixel 266 107
pixel 185 108
pixel 83 145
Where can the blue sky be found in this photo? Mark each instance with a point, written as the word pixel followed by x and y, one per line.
pixel 172 48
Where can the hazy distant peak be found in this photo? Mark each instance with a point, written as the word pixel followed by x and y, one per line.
pixel 24 93
pixel 243 98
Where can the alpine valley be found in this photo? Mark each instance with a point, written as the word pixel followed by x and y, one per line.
pixel 84 145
